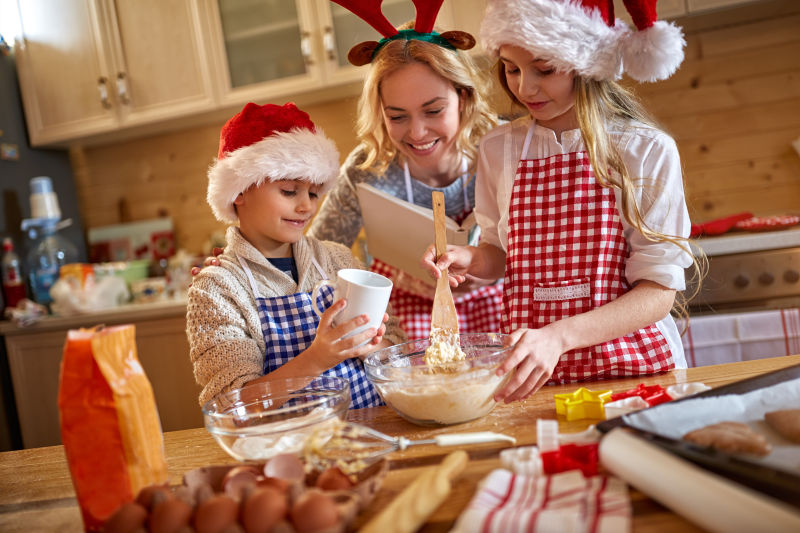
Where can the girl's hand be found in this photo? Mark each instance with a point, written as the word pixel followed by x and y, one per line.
pixel 536 353
pixel 457 259
pixel 331 347
pixel 210 261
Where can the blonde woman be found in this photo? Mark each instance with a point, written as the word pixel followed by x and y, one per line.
pixel 420 117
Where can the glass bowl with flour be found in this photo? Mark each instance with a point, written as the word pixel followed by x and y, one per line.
pixel 436 395
pixel 265 419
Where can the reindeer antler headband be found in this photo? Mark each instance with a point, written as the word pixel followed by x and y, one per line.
pixel 370 12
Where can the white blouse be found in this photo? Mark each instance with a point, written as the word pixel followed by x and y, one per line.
pixel 652 160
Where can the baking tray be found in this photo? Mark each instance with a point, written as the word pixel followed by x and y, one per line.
pixel 780 484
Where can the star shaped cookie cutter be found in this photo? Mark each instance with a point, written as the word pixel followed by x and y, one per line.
pixel 583 403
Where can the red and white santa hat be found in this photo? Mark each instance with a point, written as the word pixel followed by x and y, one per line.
pixel 268 142
pixel 583 36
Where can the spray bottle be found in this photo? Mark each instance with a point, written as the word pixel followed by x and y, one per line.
pixel 50 250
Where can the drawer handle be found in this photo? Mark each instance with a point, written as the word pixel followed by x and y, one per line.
pixel 305 48
pixel 122 88
pixel 102 88
pixel 328 43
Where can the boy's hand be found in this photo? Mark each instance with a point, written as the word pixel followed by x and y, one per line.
pixel 331 347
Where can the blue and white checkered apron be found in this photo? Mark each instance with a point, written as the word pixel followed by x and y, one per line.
pixel 289 325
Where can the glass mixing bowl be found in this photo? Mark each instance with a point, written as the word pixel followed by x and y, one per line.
pixel 433 396
pixel 259 421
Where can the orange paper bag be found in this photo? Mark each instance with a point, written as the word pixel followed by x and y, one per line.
pixel 109 423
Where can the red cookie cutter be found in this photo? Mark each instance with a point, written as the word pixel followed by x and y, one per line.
pixel 570 457
pixel 652 394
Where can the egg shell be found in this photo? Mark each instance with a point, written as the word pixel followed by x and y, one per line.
pixel 215 514
pixel 263 509
pixel 333 479
pixel 127 519
pixel 314 511
pixel 170 516
pixel 152 495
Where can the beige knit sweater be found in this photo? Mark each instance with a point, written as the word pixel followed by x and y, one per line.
pixel 226 344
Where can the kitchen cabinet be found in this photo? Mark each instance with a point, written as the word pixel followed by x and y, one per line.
pixel 87 67
pixel 277 50
pixel 34 358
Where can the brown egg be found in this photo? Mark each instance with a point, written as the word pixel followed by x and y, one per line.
pixel 170 516
pixel 263 509
pixel 127 519
pixel 333 479
pixel 285 466
pixel 215 514
pixel 274 482
pixel 238 480
pixel 151 495
pixel 314 511
pixel 203 492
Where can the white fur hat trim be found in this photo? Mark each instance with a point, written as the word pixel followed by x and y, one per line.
pixel 561 32
pixel 574 38
pixel 300 154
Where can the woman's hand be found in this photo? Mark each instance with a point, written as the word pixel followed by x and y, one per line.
pixel 536 353
pixel 330 347
pixel 210 261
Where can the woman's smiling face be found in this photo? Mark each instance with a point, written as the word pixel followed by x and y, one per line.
pixel 548 95
pixel 421 111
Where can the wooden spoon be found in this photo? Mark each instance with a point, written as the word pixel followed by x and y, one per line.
pixel 444 320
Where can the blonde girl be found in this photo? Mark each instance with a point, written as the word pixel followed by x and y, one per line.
pixel 581 201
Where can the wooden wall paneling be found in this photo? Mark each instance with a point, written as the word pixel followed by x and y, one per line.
pixel 730 95
pixel 762 117
pixel 743 37
pixel 696 72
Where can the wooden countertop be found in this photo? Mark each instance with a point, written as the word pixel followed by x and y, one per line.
pixel 36 491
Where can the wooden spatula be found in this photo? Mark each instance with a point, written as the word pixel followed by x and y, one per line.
pixel 444 320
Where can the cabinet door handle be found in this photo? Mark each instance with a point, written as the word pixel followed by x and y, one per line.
pixel 122 88
pixel 305 47
pixel 328 43
pixel 102 88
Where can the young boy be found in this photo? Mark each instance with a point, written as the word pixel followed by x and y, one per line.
pixel 250 318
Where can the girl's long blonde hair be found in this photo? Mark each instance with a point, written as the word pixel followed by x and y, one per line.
pixel 602 102
pixel 598 103
pixel 454 66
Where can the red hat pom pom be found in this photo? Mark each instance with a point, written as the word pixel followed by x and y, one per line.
pixel 655 51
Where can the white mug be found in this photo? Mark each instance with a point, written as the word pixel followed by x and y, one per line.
pixel 367 293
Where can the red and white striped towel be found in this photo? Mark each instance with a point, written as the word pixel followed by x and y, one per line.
pixel 733 337
pixel 567 502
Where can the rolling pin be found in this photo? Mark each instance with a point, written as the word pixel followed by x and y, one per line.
pixel 409 510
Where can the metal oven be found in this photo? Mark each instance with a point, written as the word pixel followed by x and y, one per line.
pixel 749 303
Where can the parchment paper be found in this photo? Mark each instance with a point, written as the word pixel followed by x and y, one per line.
pixel 673 420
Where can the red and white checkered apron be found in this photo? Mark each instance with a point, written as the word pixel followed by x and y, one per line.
pixel 478 310
pixel 566 255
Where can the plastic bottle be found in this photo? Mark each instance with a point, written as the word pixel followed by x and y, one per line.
pixel 13 284
pixel 48 255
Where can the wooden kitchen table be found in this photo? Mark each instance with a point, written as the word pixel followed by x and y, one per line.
pixel 36 491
